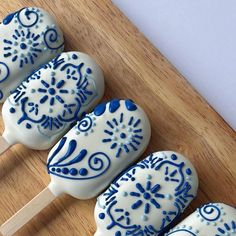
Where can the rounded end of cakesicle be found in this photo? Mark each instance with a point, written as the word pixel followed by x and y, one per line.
pixel 55 189
pixel 9 137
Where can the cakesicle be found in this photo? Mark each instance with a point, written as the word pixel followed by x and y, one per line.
pixel 52 99
pixel 29 38
pixel 147 197
pixel 214 219
pixel 90 155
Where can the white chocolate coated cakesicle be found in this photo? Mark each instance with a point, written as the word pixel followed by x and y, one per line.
pixel 214 219
pixel 29 38
pixel 146 198
pixel 44 106
pixel 90 156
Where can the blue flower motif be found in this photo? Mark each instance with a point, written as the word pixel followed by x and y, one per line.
pixel 53 92
pixel 23 47
pixel 123 136
pixel 147 196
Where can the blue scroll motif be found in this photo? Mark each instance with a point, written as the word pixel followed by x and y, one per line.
pixel 210 212
pixel 85 124
pixel 51 39
pixel 147 197
pixel 96 164
pixel 28 17
pixel 54 92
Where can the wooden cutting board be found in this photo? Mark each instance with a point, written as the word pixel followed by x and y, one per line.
pixel 181 119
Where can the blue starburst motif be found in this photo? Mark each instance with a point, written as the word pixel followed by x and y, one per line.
pixel 23 47
pixel 122 136
pixel 53 92
pixel 227 229
pixel 148 194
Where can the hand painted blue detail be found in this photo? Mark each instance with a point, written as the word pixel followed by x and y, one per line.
pixel 173 157
pixel 130 105
pixel 102 216
pixel 123 136
pixel 99 109
pixel 1 94
pixel 55 92
pixel 227 229
pixel 74 56
pixel 93 166
pixel 16 48
pixel 85 124
pixel 206 212
pixel 9 18
pixel 83 172
pixel 12 110
pixel 148 196
pixel 24 47
pixel 4 71
pixel 51 39
pixel 27 18
pixel 28 126
pixel 73 172
pixel 114 105
pixel 88 70
pixel 188 171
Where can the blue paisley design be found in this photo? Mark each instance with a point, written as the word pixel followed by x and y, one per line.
pixel 97 163
pixel 148 197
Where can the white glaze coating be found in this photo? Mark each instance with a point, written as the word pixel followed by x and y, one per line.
pixel 92 153
pixel 147 197
pixel 29 38
pixel 214 219
pixel 45 106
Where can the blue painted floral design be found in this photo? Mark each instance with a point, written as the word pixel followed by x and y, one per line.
pixel 23 47
pixel 147 196
pixel 123 136
pixel 61 97
pixel 27 39
pixel 52 91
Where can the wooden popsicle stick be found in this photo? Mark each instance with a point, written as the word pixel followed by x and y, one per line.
pixel 27 212
pixel 4 145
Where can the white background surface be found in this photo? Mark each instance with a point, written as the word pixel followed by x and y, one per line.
pixel 199 38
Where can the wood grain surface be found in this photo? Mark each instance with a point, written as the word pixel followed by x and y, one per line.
pixel 181 119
